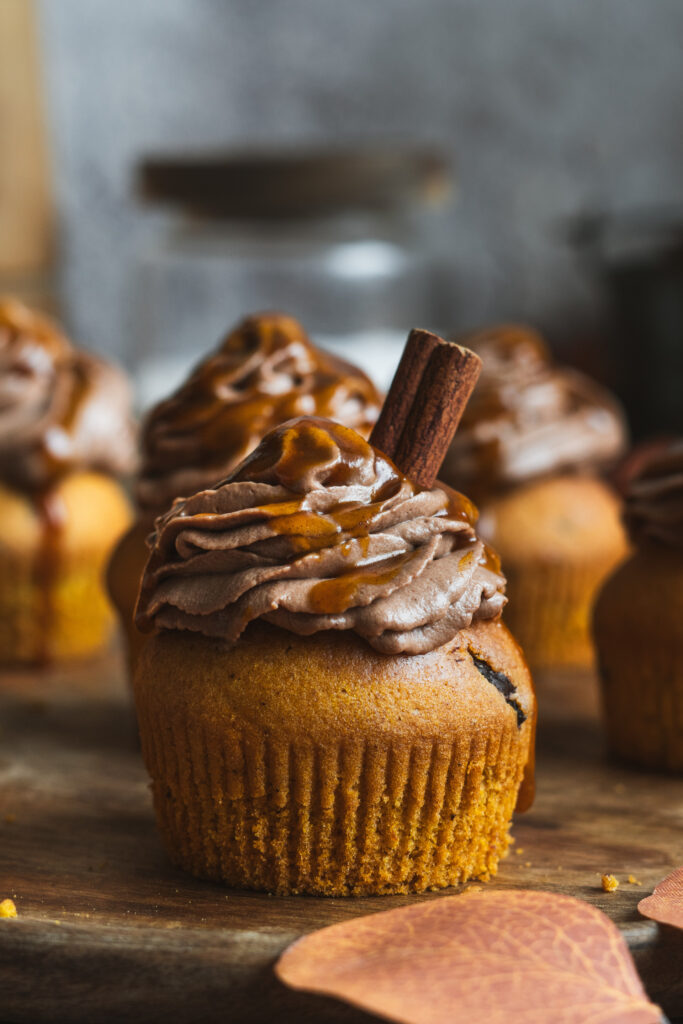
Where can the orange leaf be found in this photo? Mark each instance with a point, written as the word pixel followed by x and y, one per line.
pixel 665 905
pixel 485 957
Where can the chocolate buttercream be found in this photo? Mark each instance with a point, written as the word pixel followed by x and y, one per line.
pixel 265 372
pixel 529 418
pixel 318 530
pixel 61 409
pixel 654 498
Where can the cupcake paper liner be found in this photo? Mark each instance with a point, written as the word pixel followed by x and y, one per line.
pixel 353 817
pixel 643 706
pixel 549 611
pixel 69 616
pixel 638 626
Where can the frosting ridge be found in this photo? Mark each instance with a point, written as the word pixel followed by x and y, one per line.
pixel 60 408
pixel 653 507
pixel 318 530
pixel 266 371
pixel 529 417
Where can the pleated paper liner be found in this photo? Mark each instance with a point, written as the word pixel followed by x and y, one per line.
pixel 643 709
pixel 62 617
pixel 549 611
pixel 638 626
pixel 354 817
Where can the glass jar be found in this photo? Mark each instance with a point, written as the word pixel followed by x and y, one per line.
pixel 339 240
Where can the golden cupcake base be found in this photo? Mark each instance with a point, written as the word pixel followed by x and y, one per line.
pixel 549 611
pixel 315 765
pixel 53 605
pixel 558 540
pixel 639 638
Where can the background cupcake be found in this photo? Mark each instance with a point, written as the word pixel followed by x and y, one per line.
pixel 65 434
pixel 330 703
pixel 529 449
pixel 265 372
pixel 638 621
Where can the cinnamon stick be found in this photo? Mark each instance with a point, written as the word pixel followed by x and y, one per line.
pixel 427 398
pixel 394 412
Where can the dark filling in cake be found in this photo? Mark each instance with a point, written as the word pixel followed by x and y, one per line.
pixel 502 684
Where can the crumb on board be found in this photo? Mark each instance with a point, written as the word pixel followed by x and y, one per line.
pixel 520 849
pixel 8 908
pixel 632 880
pixel 609 883
pixel 527 863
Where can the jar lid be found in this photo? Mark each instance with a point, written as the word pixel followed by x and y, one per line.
pixel 637 237
pixel 296 183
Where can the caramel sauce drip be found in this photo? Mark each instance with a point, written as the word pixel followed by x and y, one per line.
pixel 23 327
pixel 46 384
pixel 301 448
pixel 308 448
pixel 308 531
pixel 57 438
pixel 529 416
pixel 289 455
pixel 265 372
pixel 333 596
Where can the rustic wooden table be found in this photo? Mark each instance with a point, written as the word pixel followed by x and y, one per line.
pixel 108 931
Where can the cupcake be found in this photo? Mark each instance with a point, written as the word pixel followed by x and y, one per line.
pixel 65 435
pixel 266 371
pixel 530 448
pixel 638 621
pixel 329 702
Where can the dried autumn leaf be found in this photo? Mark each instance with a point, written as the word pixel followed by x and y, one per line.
pixel 484 957
pixel 665 905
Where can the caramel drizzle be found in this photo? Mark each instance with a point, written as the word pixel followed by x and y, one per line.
pixel 228 405
pixel 285 457
pixel 32 347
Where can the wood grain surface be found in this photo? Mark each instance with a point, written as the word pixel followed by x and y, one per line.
pixel 108 931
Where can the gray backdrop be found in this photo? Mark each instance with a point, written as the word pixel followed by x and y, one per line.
pixel 549 106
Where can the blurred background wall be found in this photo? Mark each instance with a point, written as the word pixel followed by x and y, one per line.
pixel 548 107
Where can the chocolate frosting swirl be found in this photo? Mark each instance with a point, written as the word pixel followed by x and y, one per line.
pixel 265 372
pixel 654 498
pixel 529 418
pixel 317 530
pixel 60 408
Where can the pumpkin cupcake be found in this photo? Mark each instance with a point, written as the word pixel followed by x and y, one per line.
pixel 329 703
pixel 529 450
pixel 65 435
pixel 638 621
pixel 264 372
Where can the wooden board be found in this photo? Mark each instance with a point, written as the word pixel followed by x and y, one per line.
pixel 109 931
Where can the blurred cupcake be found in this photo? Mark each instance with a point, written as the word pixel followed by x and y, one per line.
pixel 529 448
pixel 265 372
pixel 65 434
pixel 330 703
pixel 638 621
